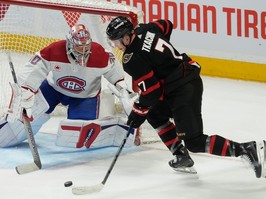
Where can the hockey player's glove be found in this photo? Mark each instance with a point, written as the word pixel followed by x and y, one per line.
pixel 137 116
pixel 126 97
pixel 22 99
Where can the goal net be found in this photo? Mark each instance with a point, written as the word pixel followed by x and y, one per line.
pixel 27 26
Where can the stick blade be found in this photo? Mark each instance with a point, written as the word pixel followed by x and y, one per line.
pixel 82 190
pixel 27 168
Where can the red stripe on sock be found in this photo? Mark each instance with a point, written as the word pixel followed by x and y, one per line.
pixel 170 142
pixel 212 141
pixel 226 143
pixel 168 128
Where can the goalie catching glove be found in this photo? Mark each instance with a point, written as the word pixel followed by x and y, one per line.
pixel 22 99
pixel 125 96
pixel 137 116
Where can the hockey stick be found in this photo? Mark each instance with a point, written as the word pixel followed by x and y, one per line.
pixel 36 165
pixel 81 190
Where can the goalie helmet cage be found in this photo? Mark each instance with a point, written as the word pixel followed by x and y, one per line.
pixel 27 26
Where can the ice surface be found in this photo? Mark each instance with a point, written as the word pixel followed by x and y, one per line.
pixel 233 109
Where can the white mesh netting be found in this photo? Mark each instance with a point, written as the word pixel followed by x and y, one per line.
pixel 31 25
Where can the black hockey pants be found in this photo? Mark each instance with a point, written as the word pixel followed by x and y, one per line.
pixel 184 106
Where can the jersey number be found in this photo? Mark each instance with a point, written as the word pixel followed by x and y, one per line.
pixel 142 86
pixel 35 60
pixel 161 45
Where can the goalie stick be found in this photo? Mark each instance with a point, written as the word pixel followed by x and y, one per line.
pixel 36 165
pixel 82 190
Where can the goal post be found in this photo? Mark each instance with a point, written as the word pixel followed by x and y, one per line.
pixel 27 26
pixel 97 7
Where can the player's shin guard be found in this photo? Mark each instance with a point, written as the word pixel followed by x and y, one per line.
pixel 167 133
pixel 220 146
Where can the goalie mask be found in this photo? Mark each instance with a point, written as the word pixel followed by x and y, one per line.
pixel 79 44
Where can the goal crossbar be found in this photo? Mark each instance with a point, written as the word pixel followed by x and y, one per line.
pixel 77 8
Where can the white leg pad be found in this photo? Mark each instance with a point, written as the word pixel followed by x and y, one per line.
pixel 13 133
pixel 109 131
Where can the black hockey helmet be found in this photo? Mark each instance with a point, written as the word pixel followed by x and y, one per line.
pixel 118 27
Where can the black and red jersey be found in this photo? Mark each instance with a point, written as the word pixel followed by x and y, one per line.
pixel 154 64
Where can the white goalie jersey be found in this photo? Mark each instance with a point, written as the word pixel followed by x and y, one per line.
pixel 65 75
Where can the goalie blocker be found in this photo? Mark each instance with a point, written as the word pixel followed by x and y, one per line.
pixel 104 132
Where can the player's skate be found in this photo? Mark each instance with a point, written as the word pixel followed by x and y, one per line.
pixel 254 153
pixel 183 162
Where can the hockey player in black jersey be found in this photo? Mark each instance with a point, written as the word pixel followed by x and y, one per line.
pixel 171 87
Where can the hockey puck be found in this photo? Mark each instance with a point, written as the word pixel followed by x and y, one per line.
pixel 68 183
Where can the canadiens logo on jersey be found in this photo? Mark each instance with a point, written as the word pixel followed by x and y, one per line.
pixel 71 84
pixel 127 57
